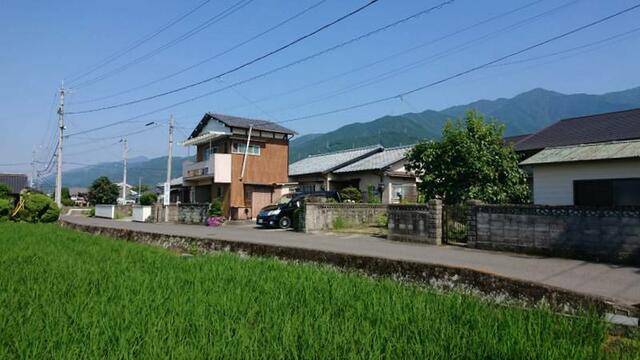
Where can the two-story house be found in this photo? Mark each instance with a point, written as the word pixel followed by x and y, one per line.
pixel 243 162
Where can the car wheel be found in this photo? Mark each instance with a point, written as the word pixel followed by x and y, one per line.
pixel 284 222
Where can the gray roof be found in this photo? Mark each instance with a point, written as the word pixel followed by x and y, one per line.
pixel 323 163
pixel 240 122
pixel 377 161
pixel 613 126
pixel 586 152
pixel 16 182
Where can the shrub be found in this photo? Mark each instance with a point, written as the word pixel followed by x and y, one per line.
pixel 4 190
pixel 92 212
pixel 38 208
pixel 68 202
pixel 148 198
pixel 382 220
pixel 351 194
pixel 372 195
pixel 297 218
pixel 215 209
pixel 339 223
pixel 5 209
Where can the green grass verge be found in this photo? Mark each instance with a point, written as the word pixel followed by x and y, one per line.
pixel 66 294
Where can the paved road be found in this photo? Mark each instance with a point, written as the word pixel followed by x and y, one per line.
pixel 611 281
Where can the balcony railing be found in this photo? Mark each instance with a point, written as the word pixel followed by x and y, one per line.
pixel 218 166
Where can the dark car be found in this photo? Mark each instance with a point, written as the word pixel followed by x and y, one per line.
pixel 281 213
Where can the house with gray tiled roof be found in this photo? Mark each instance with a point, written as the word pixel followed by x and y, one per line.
pixel 374 170
pixel 590 160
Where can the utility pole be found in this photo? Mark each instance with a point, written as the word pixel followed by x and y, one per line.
pixel 58 190
pixel 167 185
pixel 124 172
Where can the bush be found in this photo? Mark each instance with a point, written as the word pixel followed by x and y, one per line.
pixel 68 202
pixel 4 191
pixel 382 220
pixel 148 198
pixel 340 223
pixel 92 212
pixel 215 209
pixel 38 208
pixel 5 209
pixel 351 194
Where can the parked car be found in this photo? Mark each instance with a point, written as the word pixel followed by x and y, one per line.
pixel 281 213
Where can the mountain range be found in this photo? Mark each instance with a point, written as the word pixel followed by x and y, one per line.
pixel 523 113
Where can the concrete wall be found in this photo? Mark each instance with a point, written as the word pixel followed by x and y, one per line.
pixel 319 217
pixel 182 213
pixel 553 183
pixel 416 223
pixel 610 235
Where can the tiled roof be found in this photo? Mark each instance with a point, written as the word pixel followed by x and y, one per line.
pixel 16 182
pixel 512 140
pixel 328 162
pixel 378 160
pixel 240 122
pixel 586 152
pixel 613 126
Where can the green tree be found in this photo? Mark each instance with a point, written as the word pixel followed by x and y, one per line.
pixel 4 191
pixel 148 198
pixel 66 197
pixel 103 191
pixel 37 208
pixel 471 161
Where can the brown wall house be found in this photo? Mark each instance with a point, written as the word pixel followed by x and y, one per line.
pixel 221 143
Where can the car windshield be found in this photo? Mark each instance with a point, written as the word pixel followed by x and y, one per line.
pixel 284 199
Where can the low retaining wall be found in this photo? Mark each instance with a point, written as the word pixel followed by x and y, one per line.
pixel 486 283
pixel 322 216
pixel 610 235
pixel 416 223
pixel 181 213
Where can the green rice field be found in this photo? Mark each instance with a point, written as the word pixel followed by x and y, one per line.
pixel 66 294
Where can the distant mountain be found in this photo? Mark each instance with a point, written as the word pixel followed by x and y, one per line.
pixel 151 171
pixel 524 113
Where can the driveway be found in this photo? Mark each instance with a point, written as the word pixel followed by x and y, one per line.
pixel 620 283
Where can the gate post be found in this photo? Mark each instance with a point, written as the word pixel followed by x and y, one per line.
pixel 434 221
pixel 472 222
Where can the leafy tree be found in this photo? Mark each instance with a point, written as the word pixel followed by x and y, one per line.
pixel 103 191
pixel 37 208
pixel 148 198
pixel 471 161
pixel 141 189
pixel 351 193
pixel 5 209
pixel 66 197
pixel 4 191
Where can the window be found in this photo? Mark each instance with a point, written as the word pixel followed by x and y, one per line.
pixel 606 192
pixel 308 188
pixel 208 151
pixel 239 148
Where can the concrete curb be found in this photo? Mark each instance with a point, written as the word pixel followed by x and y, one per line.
pixel 425 273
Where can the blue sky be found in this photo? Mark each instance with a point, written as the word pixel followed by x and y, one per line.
pixel 45 42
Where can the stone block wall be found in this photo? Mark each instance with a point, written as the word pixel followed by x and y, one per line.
pixel 182 213
pixel 416 223
pixel 321 216
pixel 609 235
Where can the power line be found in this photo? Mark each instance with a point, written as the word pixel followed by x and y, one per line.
pixel 109 59
pixel 462 73
pixel 420 62
pixel 211 21
pixel 395 55
pixel 248 63
pixel 268 72
pixel 201 62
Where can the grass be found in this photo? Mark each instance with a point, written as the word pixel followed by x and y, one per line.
pixel 65 294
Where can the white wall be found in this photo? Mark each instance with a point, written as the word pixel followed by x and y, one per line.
pixel 553 184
